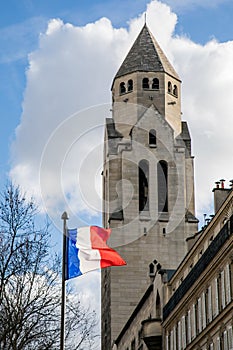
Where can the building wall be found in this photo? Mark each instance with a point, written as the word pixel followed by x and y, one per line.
pixel 203 313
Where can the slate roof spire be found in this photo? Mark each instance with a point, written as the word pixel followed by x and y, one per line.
pixel 146 56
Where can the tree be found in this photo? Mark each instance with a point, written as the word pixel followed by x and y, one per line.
pixel 30 283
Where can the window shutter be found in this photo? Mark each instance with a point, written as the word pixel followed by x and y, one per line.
pixel 172 340
pixel 225 341
pixel 228 284
pixel 223 295
pixel 199 315
pixel 179 335
pixel 230 337
pixel 218 344
pixel 194 321
pixel 167 342
pixel 183 332
pixel 203 310
pixel 174 337
pixel 210 312
pixel 189 337
pixel 216 296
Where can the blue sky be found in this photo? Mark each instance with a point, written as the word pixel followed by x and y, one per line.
pixel 21 23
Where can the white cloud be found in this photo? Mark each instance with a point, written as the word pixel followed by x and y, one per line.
pixel 73 68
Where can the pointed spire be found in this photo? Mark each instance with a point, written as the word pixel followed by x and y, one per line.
pixel 146 56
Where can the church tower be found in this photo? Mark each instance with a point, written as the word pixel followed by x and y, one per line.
pixel 148 180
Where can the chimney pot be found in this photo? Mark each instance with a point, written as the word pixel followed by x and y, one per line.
pixel 222 183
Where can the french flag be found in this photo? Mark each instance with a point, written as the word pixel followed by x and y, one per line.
pixel 87 250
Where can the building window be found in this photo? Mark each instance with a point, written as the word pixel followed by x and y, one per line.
pixel 152 138
pixel 130 85
pixel 143 175
pixel 162 173
pixel 223 289
pixel 228 284
pixel 155 84
pixel 169 87
pixel 230 337
pixel 225 341
pixel 145 83
pixel 175 91
pixel 218 345
pixel 209 301
pixel 203 305
pixel 189 329
pixel 167 342
pixel 183 328
pixel 194 319
pixel 179 336
pixel 174 338
pixel 199 312
pixel 216 297
pixel 122 88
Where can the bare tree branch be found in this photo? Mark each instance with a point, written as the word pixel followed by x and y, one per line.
pixel 30 284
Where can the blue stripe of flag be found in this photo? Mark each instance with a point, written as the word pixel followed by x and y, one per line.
pixel 72 260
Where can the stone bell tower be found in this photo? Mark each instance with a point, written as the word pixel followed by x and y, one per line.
pixel 148 180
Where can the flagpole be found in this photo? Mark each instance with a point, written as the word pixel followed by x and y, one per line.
pixel 64 217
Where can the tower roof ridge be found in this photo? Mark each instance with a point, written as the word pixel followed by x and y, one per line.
pixel 146 56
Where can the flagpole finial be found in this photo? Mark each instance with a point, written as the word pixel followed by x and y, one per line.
pixel 65 216
pixel 145 18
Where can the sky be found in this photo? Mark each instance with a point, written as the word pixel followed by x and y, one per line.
pixel 57 62
pixel 58 58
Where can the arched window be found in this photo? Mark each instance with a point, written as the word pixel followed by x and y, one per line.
pixel 143 177
pixel 122 88
pixel 175 91
pixel 145 83
pixel 155 84
pixel 130 85
pixel 162 173
pixel 152 138
pixel 169 87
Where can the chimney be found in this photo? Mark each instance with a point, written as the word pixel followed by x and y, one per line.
pixel 220 193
